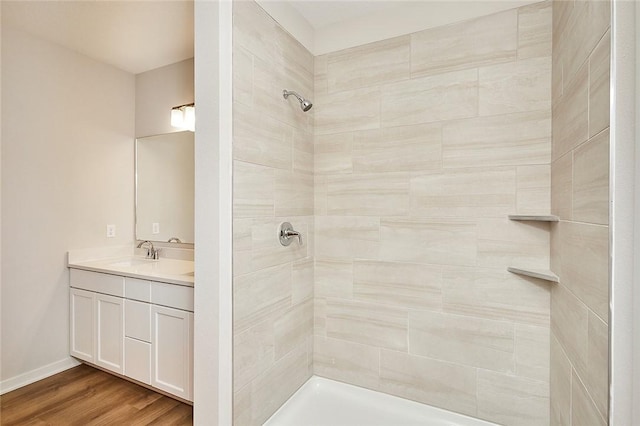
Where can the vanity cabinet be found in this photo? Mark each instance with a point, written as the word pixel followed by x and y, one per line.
pixel 137 328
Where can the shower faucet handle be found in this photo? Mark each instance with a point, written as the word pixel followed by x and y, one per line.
pixel 287 233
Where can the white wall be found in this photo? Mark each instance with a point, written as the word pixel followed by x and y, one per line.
pixel 157 91
pixel 67 171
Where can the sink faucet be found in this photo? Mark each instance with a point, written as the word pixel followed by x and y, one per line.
pixel 152 253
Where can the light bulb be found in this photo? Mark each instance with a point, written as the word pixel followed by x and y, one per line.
pixel 177 117
pixel 190 118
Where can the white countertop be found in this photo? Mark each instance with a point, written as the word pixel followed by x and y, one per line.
pixel 174 271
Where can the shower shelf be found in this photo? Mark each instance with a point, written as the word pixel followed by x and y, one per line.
pixel 542 274
pixel 534 218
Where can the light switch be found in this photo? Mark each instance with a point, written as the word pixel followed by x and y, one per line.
pixel 111 231
pixel 155 228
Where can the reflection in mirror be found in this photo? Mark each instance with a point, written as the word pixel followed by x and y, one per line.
pixel 165 187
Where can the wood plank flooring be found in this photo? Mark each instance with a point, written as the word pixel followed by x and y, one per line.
pixel 87 396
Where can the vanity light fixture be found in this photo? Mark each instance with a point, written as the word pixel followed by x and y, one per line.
pixel 184 117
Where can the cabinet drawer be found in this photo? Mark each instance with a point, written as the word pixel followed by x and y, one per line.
pixel 95 281
pixel 137 289
pixel 172 295
pixel 137 360
pixel 137 320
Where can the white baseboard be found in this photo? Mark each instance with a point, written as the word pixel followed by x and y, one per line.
pixel 29 377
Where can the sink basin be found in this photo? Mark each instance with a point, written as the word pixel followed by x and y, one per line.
pixel 130 262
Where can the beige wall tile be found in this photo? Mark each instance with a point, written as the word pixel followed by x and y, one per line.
pixel 253 190
pixel 599 79
pixel 495 294
pixel 560 385
pixel 583 410
pixel 503 242
pixel 346 362
pixel 532 352
pixel 421 241
pixel 242 245
pixel 334 278
pixel 347 111
pixel 332 153
pixel 463 340
pixel 398 284
pixel 429 99
pixel 533 189
pixel 371 64
pixel 320 195
pixel 270 390
pixel 347 237
pixel 464 193
pixel 512 400
pixel 258 295
pixel 319 316
pixel 569 323
pixel 371 194
pixel 242 406
pixel 519 86
pixel 266 248
pixel 591 181
pixel 562 186
pixel 397 149
pixel 321 84
pixel 585 264
pixel 367 323
pixel 253 352
pixel 302 152
pixel 486 40
pixel 242 76
pixel 253 29
pixel 292 328
pixel 269 144
pixel 561 12
pixel 445 385
pixel 534 30
pixel 571 115
pixel 596 376
pixel 506 140
pixel 293 193
pixel 302 280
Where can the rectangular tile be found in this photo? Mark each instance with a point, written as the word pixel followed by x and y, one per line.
pixel 596 376
pixel 507 399
pixel 321 84
pixel 253 29
pixel 242 406
pixel 334 278
pixel 503 242
pixel 302 151
pixel 347 237
pixel 347 362
pixel 259 295
pixel 464 193
pixel 519 86
pixel 571 115
pixel 429 99
pixel 569 323
pixel 367 323
pixel 370 194
pixel 591 181
pixel 242 246
pixel 397 149
pixel 562 186
pixel 599 83
pixel 533 189
pixel 253 190
pixel 371 64
pixel 495 294
pixel 560 385
pixel 320 195
pixel 302 280
pixel 438 383
pixel 534 30
pixel 584 252
pixel 347 111
pixel 532 352
pixel 506 140
pixel 421 241
pixel 583 410
pixel 242 76
pixel 332 153
pixel 293 328
pixel 485 40
pixel 474 342
pixel 293 193
pixel 399 284
pixel 252 352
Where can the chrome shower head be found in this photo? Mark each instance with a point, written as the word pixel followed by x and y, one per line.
pixel 304 103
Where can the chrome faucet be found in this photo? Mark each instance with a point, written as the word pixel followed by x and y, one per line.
pixel 152 253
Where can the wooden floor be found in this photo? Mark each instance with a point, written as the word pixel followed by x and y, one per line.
pixel 86 396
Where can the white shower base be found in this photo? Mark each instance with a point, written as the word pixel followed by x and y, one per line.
pixel 324 402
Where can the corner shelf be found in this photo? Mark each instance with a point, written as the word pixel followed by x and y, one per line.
pixel 543 274
pixel 534 218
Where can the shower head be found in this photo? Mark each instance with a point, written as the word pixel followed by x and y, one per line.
pixel 305 104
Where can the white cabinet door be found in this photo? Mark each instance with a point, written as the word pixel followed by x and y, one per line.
pixel 81 313
pixel 137 360
pixel 172 351
pixel 109 332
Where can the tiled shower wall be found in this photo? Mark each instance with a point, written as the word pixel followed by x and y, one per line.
pixel 580 196
pixel 272 183
pixel 423 145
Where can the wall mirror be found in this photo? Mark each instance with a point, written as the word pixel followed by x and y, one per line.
pixel 165 187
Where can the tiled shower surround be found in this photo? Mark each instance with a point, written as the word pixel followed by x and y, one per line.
pixel 401 178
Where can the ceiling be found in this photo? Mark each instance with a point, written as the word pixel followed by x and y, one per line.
pixel 320 14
